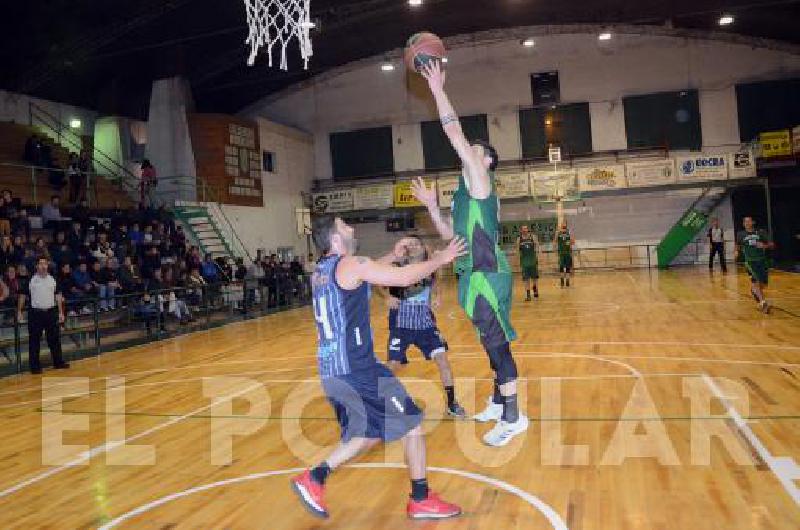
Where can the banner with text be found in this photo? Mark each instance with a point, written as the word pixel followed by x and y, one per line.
pixel 446 187
pixel 702 167
pixel 403 198
pixel 776 143
pixel 333 201
pixel 650 173
pixel 598 178
pixel 741 165
pixel 377 197
pixel 510 185
pixel 547 185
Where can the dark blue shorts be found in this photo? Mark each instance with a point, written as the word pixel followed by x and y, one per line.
pixel 429 341
pixel 372 404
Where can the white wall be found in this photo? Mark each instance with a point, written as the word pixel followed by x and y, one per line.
pixel 274 224
pixel 15 108
pixel 493 78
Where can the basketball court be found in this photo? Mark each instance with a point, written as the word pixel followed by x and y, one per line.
pixel 673 405
pixel 631 137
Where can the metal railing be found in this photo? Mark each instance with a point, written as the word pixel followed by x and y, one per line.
pixel 42 172
pixel 112 170
pixel 143 317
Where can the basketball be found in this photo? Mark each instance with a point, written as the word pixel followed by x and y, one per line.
pixel 422 48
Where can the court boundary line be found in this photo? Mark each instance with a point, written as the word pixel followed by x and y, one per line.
pixel 785 469
pixel 106 447
pixel 555 520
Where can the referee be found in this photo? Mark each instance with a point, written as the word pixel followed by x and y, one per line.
pixel 46 312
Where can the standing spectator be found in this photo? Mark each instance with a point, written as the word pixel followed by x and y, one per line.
pixel 33 150
pixel 716 240
pixel 85 169
pixel 148 182
pixel 45 313
pixel 75 178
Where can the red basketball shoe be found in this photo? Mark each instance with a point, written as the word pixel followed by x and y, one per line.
pixel 311 493
pixel 432 508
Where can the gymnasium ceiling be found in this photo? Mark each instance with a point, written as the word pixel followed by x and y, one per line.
pixel 105 54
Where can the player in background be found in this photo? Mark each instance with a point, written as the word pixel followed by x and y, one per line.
pixel 565 242
pixel 752 245
pixel 528 248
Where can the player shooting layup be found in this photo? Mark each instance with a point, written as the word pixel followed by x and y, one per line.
pixel 485 280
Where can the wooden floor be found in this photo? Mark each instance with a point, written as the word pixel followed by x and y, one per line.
pixel 621 374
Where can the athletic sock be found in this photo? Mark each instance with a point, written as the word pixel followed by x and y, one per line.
pixel 510 409
pixel 562 281
pixel 419 489
pixel 528 293
pixel 451 396
pixel 497 397
pixel 320 473
pixel 536 292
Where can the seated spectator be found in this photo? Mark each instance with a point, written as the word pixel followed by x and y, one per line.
pixel 129 278
pixel 81 213
pixel 51 214
pixel 40 249
pixel 101 249
pixel 76 237
pixel 5 216
pixel 83 282
pixel 151 261
pixel 6 252
pixel 29 259
pixel 241 271
pixel 20 243
pixel 21 225
pixel 11 280
pixel 178 237
pixel 197 287
pixel 74 297
pixel 136 235
pixel 105 283
pixel 147 237
pixel 174 304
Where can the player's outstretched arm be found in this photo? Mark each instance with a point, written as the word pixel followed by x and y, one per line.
pixel 353 270
pixel 397 252
pixel 474 172
pixel 427 196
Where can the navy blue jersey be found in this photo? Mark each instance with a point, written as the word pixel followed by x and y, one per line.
pixel 343 326
pixel 415 311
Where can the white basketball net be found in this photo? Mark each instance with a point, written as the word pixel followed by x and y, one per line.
pixel 278 22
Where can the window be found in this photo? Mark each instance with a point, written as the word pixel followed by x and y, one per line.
pixel 668 120
pixel 567 126
pixel 436 148
pixel 545 88
pixel 363 153
pixel 767 106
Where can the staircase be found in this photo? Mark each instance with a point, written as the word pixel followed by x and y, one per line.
pixel 689 225
pixel 33 187
pixel 210 229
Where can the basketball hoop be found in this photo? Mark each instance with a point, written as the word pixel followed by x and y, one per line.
pixel 278 22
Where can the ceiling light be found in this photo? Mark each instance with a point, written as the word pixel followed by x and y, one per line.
pixel 387 67
pixel 528 43
pixel 725 20
pixel 444 60
pixel 75 123
pixel 606 35
pixel 308 24
pixel 415 2
pixel 548 121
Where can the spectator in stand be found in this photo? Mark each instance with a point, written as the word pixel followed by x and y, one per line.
pixel 151 262
pixel 29 259
pixel 19 248
pixel 197 285
pixel 11 280
pixel 147 237
pixel 40 248
pixel 76 237
pixel 75 178
pixel 51 214
pixel 85 169
pixel 210 270
pixel 83 281
pixel 178 237
pixel 5 216
pixel 33 150
pixel 105 283
pixel 149 181
pixel 129 278
pixel 81 214
pixel 101 249
pixel 241 270
pixel 193 259
pixel 60 251
pixel 72 294
pixel 136 235
pixel 22 224
pixel 6 252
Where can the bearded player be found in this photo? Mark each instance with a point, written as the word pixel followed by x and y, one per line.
pixel 371 405
pixel 484 276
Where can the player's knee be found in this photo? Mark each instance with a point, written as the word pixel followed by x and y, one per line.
pixel 503 362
